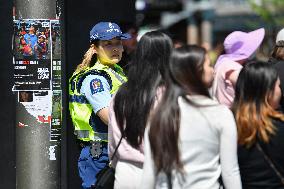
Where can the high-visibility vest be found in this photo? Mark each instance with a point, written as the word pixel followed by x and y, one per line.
pixel 79 107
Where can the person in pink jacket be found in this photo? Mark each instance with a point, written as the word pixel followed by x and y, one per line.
pixel 239 47
pixel 131 108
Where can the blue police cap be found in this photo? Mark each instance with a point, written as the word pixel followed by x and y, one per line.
pixel 107 31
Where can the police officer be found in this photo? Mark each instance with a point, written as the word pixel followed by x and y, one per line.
pixel 91 87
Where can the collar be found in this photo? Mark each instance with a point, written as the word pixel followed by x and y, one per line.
pixel 202 100
pixel 100 65
pixel 103 66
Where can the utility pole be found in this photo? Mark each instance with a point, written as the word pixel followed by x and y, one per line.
pixel 37 86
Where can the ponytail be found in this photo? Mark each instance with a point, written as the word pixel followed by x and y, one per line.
pixel 86 60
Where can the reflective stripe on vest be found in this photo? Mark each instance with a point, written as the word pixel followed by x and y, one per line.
pixel 78 98
pixel 85 134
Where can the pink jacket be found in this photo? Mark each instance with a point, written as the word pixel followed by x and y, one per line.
pixel 222 88
pixel 125 151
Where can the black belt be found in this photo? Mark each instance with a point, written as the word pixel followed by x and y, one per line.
pixel 83 144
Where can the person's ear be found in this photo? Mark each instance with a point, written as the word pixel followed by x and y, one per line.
pixel 95 50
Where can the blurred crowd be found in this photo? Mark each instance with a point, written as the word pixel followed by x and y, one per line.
pixel 183 116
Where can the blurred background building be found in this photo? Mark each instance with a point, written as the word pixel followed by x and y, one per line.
pixel 208 22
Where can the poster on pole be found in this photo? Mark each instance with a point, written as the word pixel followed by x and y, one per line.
pixel 56 55
pixel 38 104
pixel 32 54
pixel 37 72
pixel 56 121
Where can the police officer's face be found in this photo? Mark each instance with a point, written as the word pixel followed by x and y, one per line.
pixel 109 52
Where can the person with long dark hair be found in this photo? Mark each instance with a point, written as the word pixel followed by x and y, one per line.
pixel 260 126
pixel 132 106
pixel 192 139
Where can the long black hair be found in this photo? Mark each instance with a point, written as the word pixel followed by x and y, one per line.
pixel 251 106
pixel 136 97
pixel 186 70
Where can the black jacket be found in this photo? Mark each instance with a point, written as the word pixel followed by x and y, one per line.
pixel 255 171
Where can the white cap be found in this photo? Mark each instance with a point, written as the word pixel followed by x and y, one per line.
pixel 280 35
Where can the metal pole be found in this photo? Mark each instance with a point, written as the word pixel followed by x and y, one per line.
pixel 35 9
pixel 39 115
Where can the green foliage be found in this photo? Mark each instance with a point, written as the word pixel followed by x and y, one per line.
pixel 271 11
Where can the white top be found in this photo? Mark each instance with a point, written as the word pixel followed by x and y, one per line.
pixel 208 147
